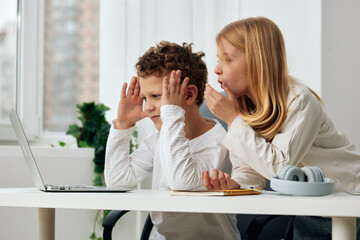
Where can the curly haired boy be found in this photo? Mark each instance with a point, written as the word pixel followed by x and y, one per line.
pixel 169 89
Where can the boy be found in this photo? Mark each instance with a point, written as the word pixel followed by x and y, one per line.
pixel 184 145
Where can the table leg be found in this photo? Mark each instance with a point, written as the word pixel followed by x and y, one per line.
pixel 344 228
pixel 46 223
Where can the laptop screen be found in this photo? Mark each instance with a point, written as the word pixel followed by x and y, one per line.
pixel 25 147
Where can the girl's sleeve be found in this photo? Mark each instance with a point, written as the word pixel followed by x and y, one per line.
pixel 288 147
pixel 183 164
pixel 245 176
pixel 124 170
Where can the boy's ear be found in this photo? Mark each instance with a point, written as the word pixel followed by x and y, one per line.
pixel 191 94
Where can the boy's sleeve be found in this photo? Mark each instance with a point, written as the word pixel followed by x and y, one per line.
pixel 124 170
pixel 184 163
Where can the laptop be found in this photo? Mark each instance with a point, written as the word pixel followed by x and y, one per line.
pixel 34 170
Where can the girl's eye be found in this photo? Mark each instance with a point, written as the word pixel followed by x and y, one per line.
pixel 155 96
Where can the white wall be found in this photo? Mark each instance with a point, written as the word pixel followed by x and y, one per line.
pixel 300 23
pixel 341 63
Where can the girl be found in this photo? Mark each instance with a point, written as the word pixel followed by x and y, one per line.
pixel 273 120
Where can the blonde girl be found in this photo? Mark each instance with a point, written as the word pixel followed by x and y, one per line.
pixel 273 120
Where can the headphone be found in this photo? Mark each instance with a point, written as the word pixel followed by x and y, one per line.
pixel 307 181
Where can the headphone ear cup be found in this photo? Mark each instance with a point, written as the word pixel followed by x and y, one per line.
pixel 291 173
pixel 313 174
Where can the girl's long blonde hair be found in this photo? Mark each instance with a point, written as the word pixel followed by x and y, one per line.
pixel 269 82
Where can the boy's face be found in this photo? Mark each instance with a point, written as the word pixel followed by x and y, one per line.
pixel 151 90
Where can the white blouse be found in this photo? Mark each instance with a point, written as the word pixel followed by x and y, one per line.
pixel 307 138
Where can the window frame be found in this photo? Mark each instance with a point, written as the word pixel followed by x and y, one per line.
pixel 29 68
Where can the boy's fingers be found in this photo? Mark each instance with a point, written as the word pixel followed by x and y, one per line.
pixel 166 86
pixel 178 80
pixel 206 180
pixel 222 180
pixel 214 179
pixel 137 88
pixel 131 86
pixel 172 83
pixel 123 91
pixel 143 115
pixel 214 173
pixel 184 86
pixel 228 180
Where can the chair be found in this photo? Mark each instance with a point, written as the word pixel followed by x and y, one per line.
pixel 251 227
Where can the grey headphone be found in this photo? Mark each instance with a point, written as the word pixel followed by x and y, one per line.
pixel 307 181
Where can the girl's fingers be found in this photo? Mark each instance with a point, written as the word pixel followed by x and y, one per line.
pixel 212 94
pixel 228 92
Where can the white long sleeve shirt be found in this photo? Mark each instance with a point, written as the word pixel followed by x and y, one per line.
pixel 307 138
pixel 176 164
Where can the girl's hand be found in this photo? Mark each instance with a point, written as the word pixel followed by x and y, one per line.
pixel 218 181
pixel 225 108
pixel 130 106
pixel 173 92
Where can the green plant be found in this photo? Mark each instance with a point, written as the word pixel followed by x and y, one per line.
pixel 93 132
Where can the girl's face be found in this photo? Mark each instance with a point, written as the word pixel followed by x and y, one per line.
pixel 233 69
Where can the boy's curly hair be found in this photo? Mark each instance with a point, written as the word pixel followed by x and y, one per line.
pixel 166 56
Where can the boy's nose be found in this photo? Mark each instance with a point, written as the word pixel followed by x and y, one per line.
pixel 148 106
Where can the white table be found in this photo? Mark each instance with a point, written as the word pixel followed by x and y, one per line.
pixel 341 207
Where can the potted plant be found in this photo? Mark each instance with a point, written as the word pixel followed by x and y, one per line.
pixel 93 132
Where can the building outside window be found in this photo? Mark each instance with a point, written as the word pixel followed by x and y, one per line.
pixel 71 72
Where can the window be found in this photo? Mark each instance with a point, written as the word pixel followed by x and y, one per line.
pixel 68 54
pixel 8 15
pixel 71 45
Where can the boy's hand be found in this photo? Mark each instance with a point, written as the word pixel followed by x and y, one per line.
pixel 225 108
pixel 218 181
pixel 130 106
pixel 173 91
